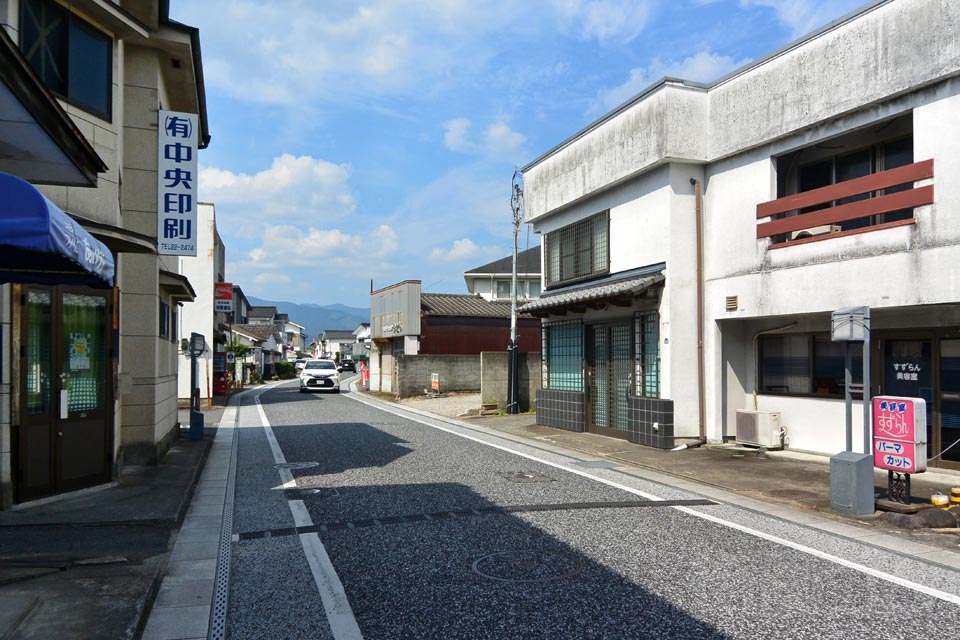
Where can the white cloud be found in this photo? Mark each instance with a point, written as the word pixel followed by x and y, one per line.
pixel 803 16
pixel 293 188
pixel 701 67
pixel 462 249
pixel 501 139
pixel 605 20
pixel 455 134
pixel 498 139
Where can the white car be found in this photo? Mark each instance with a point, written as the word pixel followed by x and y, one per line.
pixel 319 374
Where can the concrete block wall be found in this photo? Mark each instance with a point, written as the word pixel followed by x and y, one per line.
pixel 493 378
pixel 457 373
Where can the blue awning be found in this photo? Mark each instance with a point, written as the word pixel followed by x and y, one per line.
pixel 40 243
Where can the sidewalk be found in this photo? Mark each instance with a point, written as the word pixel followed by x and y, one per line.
pixel 87 564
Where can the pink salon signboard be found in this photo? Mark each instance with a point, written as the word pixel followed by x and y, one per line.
pixel 900 434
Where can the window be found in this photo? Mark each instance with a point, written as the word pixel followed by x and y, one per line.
pixel 579 251
pixel 563 355
pixel 533 287
pixel 72 58
pixel 503 289
pixel 647 356
pixel 858 164
pixel 164 324
pixel 806 364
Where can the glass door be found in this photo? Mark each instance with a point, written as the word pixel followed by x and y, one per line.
pixel 82 433
pixel 908 372
pixel 66 419
pixel 35 436
pixel 948 446
pixel 609 378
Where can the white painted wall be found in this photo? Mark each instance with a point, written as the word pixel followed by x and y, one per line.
pixel 198 315
pixel 814 424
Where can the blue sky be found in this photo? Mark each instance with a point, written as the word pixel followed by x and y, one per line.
pixel 377 139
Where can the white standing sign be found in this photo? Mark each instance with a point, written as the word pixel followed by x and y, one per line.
pixel 177 184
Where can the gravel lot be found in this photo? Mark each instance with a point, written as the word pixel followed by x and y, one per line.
pixel 455 404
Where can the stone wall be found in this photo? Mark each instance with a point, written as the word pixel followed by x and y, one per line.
pixel 493 378
pixel 457 373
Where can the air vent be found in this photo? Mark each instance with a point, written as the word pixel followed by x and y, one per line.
pixel 733 303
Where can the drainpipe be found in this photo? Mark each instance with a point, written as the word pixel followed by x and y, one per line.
pixel 701 394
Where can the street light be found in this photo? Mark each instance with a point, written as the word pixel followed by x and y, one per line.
pixel 513 351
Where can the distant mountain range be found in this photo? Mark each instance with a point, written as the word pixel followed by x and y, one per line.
pixel 318 318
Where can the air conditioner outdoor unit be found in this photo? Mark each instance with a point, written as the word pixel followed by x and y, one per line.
pixel 759 429
pixel 814 231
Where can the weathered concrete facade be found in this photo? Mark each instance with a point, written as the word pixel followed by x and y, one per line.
pixel 882 78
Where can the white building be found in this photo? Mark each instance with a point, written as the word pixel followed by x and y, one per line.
pixel 828 175
pixel 494 281
pixel 203 271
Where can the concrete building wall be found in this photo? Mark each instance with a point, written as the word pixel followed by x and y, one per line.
pixel 198 316
pixel 457 373
pixel 493 378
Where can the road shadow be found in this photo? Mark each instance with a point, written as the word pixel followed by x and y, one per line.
pixel 483 571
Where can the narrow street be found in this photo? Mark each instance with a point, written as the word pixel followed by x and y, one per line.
pixel 407 526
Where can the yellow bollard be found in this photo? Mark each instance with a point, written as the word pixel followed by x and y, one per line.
pixel 955 496
pixel 940 501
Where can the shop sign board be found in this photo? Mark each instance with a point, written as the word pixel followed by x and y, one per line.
pixel 900 434
pixel 223 297
pixel 435 381
pixel 177 183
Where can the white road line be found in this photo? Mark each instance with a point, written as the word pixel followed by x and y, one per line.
pixel 343 624
pixel 909 584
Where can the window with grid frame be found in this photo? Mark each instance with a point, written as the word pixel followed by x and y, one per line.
pixel 71 57
pixel 647 345
pixel 562 349
pixel 579 251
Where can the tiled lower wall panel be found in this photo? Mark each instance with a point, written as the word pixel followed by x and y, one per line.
pixel 650 422
pixel 560 409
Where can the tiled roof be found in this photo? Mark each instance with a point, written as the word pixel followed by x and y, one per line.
pixel 261 332
pixel 462 305
pixel 337 334
pixel 611 288
pixel 262 312
pixel 527 262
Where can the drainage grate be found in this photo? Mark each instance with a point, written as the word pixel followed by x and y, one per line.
pixel 221 593
pixel 467 513
pixel 522 477
pixel 527 565
pixel 293 466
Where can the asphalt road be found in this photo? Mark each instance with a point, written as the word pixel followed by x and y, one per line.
pixel 445 532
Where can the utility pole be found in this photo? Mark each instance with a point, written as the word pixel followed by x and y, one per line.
pixel 513 349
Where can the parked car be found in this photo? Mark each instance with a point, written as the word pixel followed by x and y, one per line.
pixel 347 365
pixel 319 374
pixel 298 363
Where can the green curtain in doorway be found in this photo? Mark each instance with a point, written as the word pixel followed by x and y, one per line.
pixel 84 350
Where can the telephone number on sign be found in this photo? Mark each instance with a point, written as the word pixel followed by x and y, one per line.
pixel 170 246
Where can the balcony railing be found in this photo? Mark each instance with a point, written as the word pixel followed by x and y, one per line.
pixel 871 185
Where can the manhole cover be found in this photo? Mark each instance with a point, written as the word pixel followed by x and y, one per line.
pixel 792 494
pixel 527 566
pixel 525 476
pixel 299 494
pixel 296 465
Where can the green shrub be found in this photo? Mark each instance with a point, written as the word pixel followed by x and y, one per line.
pixel 285 369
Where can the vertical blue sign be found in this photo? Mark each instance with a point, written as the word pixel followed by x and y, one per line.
pixel 177 184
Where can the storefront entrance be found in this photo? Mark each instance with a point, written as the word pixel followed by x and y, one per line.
pixel 609 378
pixel 65 436
pixel 926 365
